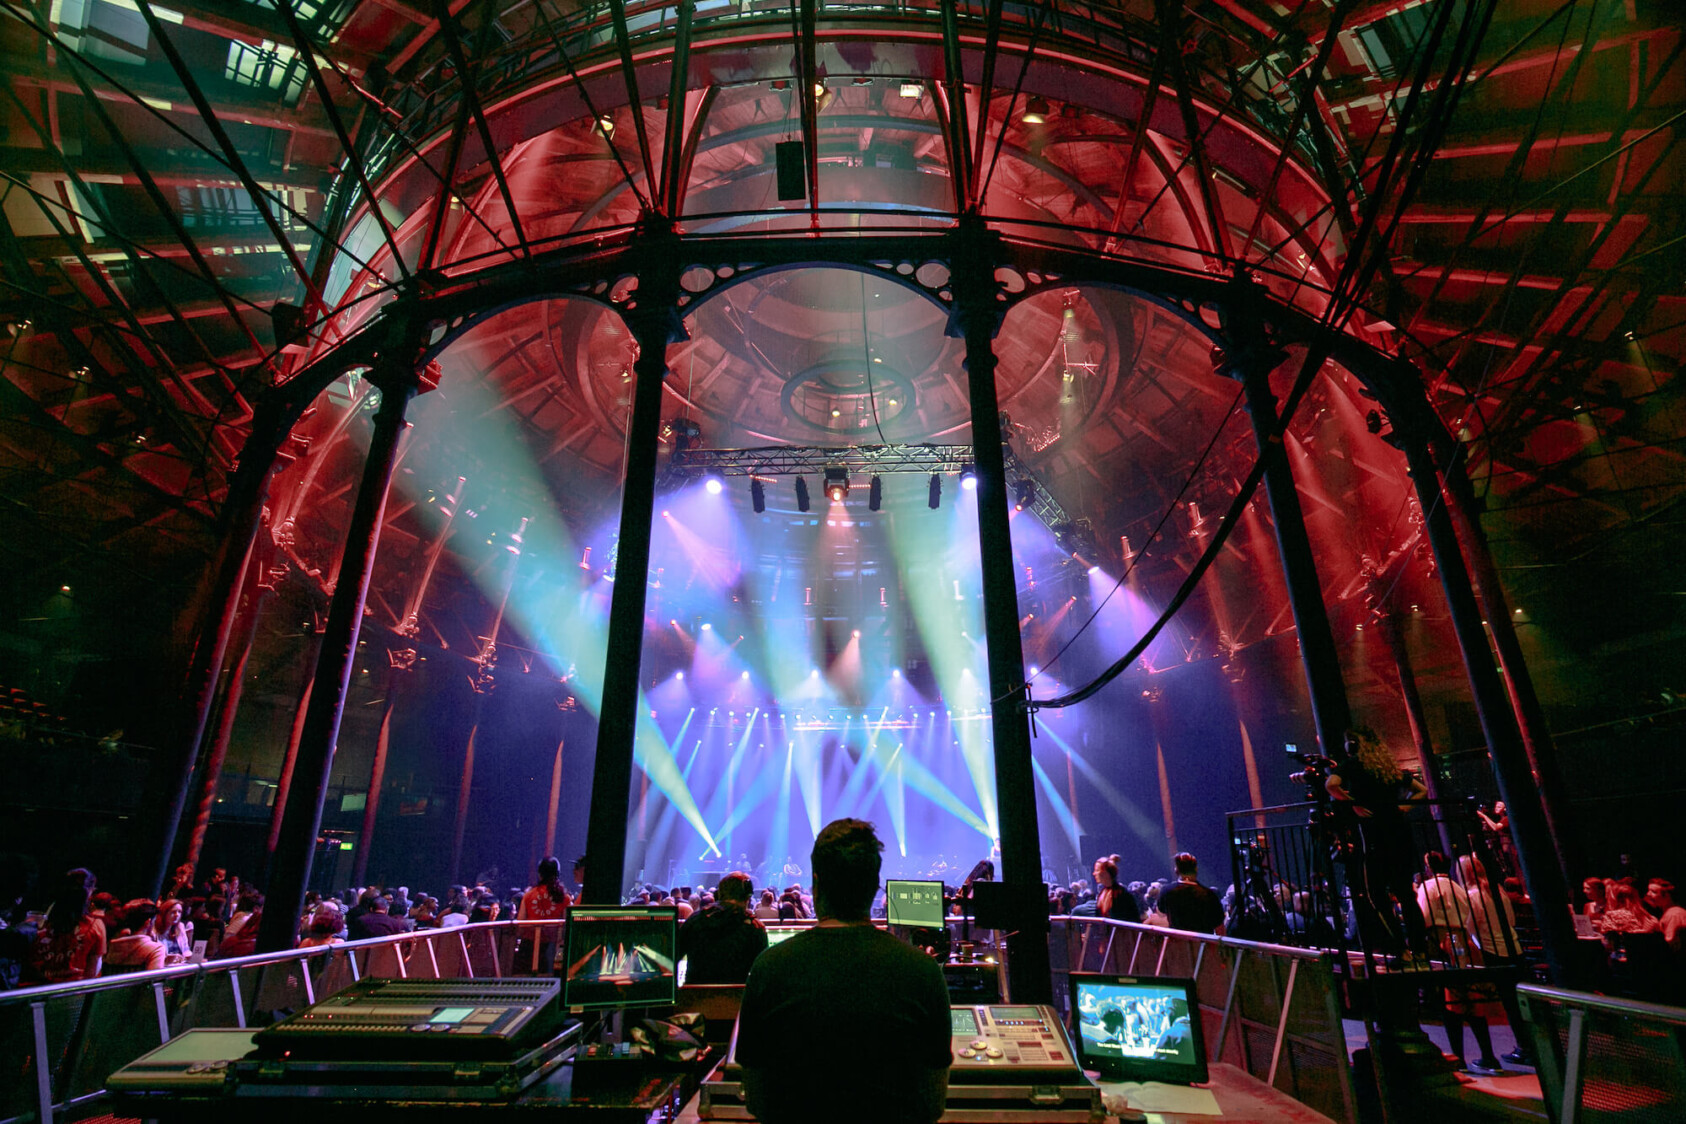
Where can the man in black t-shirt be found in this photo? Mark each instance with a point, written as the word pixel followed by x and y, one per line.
pixel 844 1022
pixel 1187 904
pixel 722 941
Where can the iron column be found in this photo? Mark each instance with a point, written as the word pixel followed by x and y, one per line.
pixel 289 874
pixel 978 316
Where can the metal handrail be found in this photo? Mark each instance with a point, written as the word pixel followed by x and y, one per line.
pixel 1297 959
pixel 37 999
pixel 1628 1008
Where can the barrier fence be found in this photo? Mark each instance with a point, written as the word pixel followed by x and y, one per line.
pixel 1606 1059
pixel 72 1036
pixel 1272 1010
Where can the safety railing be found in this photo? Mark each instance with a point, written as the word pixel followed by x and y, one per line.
pixel 1297 870
pixel 72 1036
pixel 1602 1058
pixel 1272 1010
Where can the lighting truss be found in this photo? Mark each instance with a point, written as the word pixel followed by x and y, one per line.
pixel 870 460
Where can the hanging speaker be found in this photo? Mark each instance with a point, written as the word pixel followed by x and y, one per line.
pixel 793 173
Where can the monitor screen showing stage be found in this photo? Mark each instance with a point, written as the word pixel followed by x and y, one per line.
pixel 1138 1028
pixel 918 905
pixel 620 956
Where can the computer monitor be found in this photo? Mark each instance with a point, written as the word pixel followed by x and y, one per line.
pixel 779 936
pixel 620 956
pixel 1138 1028
pixel 917 905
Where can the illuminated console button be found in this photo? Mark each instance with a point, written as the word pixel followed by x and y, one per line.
pixel 979 1044
pixel 993 1052
pixel 967 1054
pixel 419 1026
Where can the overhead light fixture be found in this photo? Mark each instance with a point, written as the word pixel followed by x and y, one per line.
pixel 757 495
pixel 1036 111
pixel 875 493
pixel 912 90
pixel 1026 495
pixel 606 126
pixel 935 499
pixel 714 485
pixel 968 477
pixel 801 493
pixel 836 484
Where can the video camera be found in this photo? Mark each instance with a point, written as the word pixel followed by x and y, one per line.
pixel 1315 775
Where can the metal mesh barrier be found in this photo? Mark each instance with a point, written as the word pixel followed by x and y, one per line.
pixel 1604 1059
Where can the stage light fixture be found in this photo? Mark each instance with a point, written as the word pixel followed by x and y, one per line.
pixel 801 493
pixel 968 477
pixel 837 484
pixel 875 493
pixel 935 499
pixel 714 485
pixel 757 496
pixel 1026 495
pixel 913 90
pixel 1035 111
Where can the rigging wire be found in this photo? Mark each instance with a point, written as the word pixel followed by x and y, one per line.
pixel 1356 273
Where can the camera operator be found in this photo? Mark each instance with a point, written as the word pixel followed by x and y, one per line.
pixel 1365 785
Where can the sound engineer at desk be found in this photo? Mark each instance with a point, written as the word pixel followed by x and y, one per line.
pixel 844 1021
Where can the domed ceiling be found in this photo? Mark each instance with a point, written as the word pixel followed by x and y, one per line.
pixel 201 199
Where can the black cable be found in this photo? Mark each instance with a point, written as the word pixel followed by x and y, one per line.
pixel 1130 563
pixel 866 346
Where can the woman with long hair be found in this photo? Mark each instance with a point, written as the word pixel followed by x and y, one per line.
pixel 545 900
pixel 70 944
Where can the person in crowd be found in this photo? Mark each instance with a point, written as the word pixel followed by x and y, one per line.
pixel 1597 900
pixel 174 931
pixel 723 941
pixel 70 945
pixel 377 921
pixel 486 908
pixel 682 903
pixel 1497 946
pixel 425 913
pixel 1187 904
pixel 181 883
pixel 135 948
pixel 245 941
pixel 364 902
pixel 327 926
pixel 1450 919
pixel 1366 784
pixel 1625 912
pixel 1152 914
pixel 768 909
pixel 1446 908
pixel 546 900
pixel 251 904
pixel 1113 900
pixel 17 930
pixel 1670 915
pixel 845 981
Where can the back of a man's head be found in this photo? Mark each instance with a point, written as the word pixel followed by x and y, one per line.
pixel 1187 865
pixel 735 889
pixel 845 861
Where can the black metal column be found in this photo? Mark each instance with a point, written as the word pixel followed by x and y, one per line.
pixel 301 820
pixel 1530 716
pixel 1540 871
pixel 978 315
pixel 1252 364
pixel 655 323
pixel 242 514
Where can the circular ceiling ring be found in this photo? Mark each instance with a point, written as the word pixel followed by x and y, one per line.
pixel 837 397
